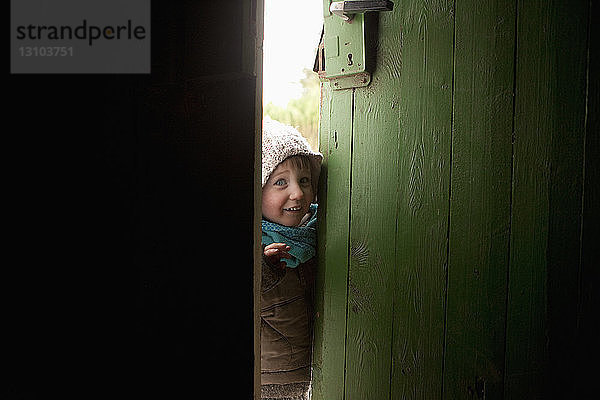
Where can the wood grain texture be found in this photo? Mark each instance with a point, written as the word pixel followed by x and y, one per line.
pixel 547 190
pixel 425 111
pixel 372 237
pixel 569 43
pixel 459 204
pixel 589 295
pixel 253 64
pixel 480 199
pixel 526 350
pixel 334 218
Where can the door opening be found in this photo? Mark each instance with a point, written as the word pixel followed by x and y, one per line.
pixel 290 96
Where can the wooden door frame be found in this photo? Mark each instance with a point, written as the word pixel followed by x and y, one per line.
pixel 254 65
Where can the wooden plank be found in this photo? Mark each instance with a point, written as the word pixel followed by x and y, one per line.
pixel 333 230
pixel 480 199
pixel 253 64
pixel 548 179
pixel 565 192
pixel 373 227
pixel 589 295
pixel 425 110
pixel 526 351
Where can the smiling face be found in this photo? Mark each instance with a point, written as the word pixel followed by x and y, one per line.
pixel 288 193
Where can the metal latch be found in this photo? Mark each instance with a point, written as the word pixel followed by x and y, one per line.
pixel 343 55
pixel 347 9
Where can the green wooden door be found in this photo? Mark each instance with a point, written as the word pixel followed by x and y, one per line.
pixel 451 197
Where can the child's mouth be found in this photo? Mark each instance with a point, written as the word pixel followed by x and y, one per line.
pixel 293 209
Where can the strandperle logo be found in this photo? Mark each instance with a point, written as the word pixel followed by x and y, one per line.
pixel 87 32
pixel 80 36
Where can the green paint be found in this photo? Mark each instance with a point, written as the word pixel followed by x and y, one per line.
pixel 548 149
pixel 425 116
pixel 330 322
pixel 526 352
pixel 480 198
pixel 372 245
pixel 451 203
pixel 344 45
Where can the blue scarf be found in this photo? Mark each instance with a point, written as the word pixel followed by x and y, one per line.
pixel 301 239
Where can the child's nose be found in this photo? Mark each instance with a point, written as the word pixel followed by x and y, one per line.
pixel 296 193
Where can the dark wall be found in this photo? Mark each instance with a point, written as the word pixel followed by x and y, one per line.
pixel 130 201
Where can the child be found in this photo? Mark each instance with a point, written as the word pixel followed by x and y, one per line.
pixel 290 172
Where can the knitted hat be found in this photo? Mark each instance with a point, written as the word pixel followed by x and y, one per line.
pixel 279 142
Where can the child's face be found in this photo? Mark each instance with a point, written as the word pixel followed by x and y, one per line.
pixel 287 195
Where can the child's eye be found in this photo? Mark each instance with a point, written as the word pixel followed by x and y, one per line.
pixel 280 182
pixel 304 180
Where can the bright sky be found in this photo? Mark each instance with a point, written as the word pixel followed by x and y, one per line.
pixel 292 33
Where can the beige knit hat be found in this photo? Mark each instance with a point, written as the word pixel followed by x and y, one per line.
pixel 281 141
